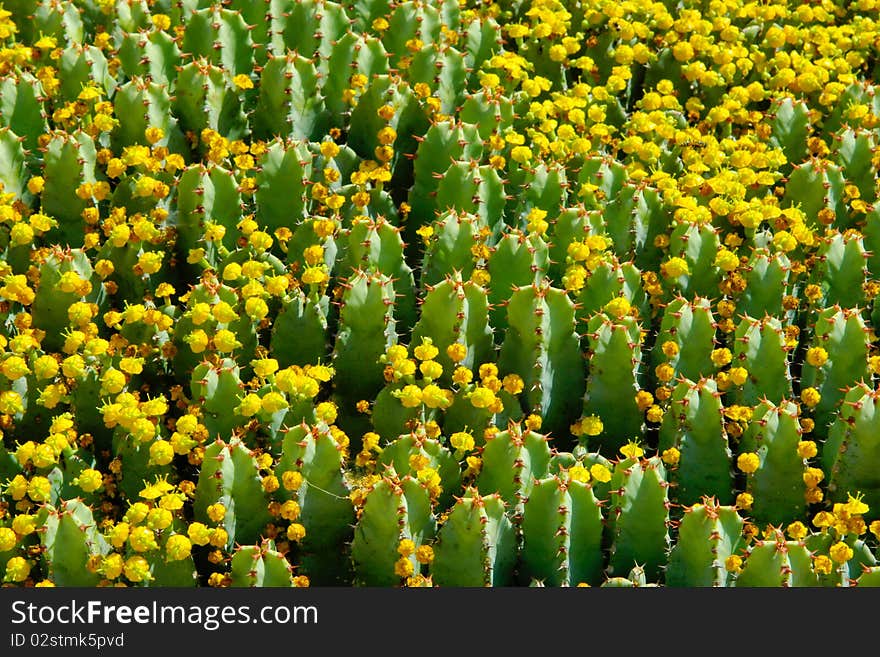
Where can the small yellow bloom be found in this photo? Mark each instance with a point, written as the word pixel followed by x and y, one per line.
pixel 810 397
pixel 733 563
pixel 748 462
pixel 671 456
pixel 600 473
pixel 632 450
pixel 675 267
pixel 841 552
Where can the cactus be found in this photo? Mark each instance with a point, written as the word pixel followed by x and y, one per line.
pixel 409 293
pixel 260 565
pixel 366 330
pixel 709 533
pixel 150 55
pixel 841 270
pixel 854 149
pixel 204 99
pixel 305 317
pixel 323 497
pixel 790 127
pixel 693 426
pixel 283 171
pixel 65 278
pixel 470 188
pixel 638 517
pixel 69 161
pixel 395 510
pixel 851 448
pixel 760 349
pixel 429 453
pixel 230 476
pixel 541 347
pixel 205 194
pixel 290 103
pixel 517 260
pixel 817 188
pixel 376 245
pixel 351 54
pixel 777 563
pixel 23 112
pixel 220 36
pixel 841 336
pixel 562 533
pixel 476 545
pixel 777 485
pixel 612 382
pixel 455 312
pixel 690 328
pixel 442 143
pixel 765 275
pixel 70 539
pixel 611 279
pixel 512 461
pixel 449 249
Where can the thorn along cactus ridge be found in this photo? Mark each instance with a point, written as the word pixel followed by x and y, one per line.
pixel 464 293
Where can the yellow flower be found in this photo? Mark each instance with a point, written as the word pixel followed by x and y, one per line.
pixel 403 567
pixel 797 530
pixel 675 267
pixel 810 397
pixel 521 154
pixel 721 357
pixel 425 554
pixel 817 356
pixel 410 396
pixel 822 565
pixel 840 552
pixel 457 352
pixel 435 397
pixel 482 397
pixel 225 341
pixel 738 375
pixel 242 81
pixel 216 512
pixel 296 532
pixel 132 365
pixel 431 370
pixel 671 456
pixel 670 348
pixel 600 473
pixel 591 426
pixel 618 307
pixel 745 501
pixel 632 450
pixel 462 441
pixel 141 539
pixel 198 533
pixel 18 569
pixel 8 539
pixel 426 350
pixel 726 260
pixel 314 275
pixel 733 563
pixel 89 480
pixel 748 462
pixel 807 449
pixel 579 473
pixel 137 569
pixel 161 453
pixel 178 547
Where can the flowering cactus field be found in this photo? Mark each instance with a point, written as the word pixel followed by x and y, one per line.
pixel 439 293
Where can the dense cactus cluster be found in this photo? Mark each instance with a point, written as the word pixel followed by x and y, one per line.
pixel 454 293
